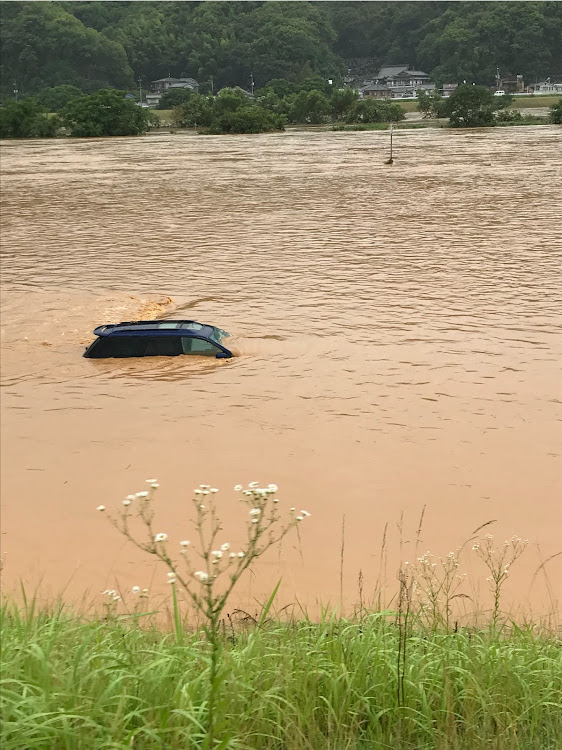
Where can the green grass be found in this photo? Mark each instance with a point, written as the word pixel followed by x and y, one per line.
pixel 532 102
pixel 69 683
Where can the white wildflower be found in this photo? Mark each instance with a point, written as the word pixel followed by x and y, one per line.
pixel 151 481
pixel 232 555
pixel 101 508
pixel 305 513
pixel 171 574
pixel 237 487
pixel 126 502
pixel 130 497
pixel 142 494
pixel 272 487
pixel 205 486
pixel 214 489
pixel 255 512
pixel 241 554
pixel 475 546
pixel 217 553
pixel 160 537
pixel 253 485
pixel 300 518
pixel 185 543
pixel 155 485
pixel 225 547
pixel 255 520
pixel 201 575
pixel 136 589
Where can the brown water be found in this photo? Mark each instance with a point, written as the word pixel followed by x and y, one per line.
pixel 398 330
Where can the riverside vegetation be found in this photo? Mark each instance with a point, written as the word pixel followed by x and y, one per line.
pixel 312 102
pixel 408 675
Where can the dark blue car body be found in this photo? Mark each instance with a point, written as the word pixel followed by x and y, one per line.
pixel 162 338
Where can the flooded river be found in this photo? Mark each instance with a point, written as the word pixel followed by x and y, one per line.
pixel 398 331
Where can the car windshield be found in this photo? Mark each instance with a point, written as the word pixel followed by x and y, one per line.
pixel 218 335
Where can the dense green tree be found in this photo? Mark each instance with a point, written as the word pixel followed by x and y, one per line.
pixel 246 119
pixel 310 107
pixel 42 45
pixel 105 113
pixel 431 104
pixel 471 107
pixel 26 119
pixel 555 114
pixel 342 102
pixel 229 100
pixel 111 44
pixel 376 110
pixel 279 86
pixel 54 98
pixel 195 112
pixel 270 101
pixel 174 98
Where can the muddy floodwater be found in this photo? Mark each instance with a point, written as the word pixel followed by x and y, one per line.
pixel 398 331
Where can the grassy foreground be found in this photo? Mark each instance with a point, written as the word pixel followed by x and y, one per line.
pixel 362 684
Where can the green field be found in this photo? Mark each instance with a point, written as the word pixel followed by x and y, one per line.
pixel 339 684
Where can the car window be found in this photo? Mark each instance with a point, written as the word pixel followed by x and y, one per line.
pixel 163 346
pixel 198 346
pixel 123 346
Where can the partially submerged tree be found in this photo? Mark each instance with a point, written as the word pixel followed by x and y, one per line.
pixel 431 104
pixel 26 119
pixel 471 107
pixel 555 114
pixel 105 113
pixel 310 107
pixel 373 110
pixel 174 98
pixel 248 119
pixel 342 101
pixel 195 112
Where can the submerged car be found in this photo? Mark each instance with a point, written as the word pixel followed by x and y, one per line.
pixel 158 338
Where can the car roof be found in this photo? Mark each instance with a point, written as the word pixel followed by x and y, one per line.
pixel 158 327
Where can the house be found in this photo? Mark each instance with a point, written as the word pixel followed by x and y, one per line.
pixel 153 100
pixel 163 84
pixel 546 87
pixel 397 82
pixel 448 88
pixel 160 86
pixel 375 91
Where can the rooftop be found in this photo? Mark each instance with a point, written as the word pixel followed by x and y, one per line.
pixel 151 327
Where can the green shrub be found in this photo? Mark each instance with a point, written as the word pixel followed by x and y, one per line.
pixel 26 119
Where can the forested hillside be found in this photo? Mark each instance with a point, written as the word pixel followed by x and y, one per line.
pixel 111 44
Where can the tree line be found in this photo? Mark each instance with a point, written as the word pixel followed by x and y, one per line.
pixel 93 45
pixel 109 112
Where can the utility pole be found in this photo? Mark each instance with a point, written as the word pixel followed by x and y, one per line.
pixel 16 90
pixel 140 90
pixel 252 82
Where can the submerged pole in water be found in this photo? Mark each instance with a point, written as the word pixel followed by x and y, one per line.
pixel 391 160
